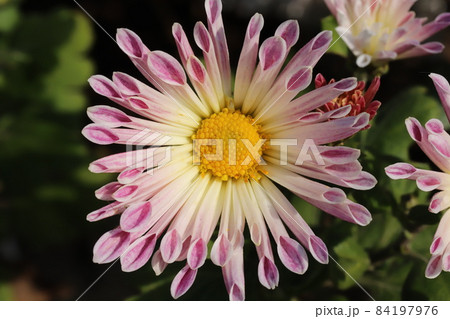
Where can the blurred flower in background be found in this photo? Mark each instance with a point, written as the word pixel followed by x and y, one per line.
pixel 379 31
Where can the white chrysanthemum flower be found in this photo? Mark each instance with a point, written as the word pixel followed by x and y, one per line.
pixel 378 31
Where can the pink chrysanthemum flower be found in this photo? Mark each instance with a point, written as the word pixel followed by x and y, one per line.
pixel 181 202
pixel 435 143
pixel 360 99
pixel 378 31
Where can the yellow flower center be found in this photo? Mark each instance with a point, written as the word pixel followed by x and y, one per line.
pixel 229 145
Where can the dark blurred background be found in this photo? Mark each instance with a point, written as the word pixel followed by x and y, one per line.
pixel 48 50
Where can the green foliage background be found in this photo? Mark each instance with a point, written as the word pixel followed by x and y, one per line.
pixel 47 52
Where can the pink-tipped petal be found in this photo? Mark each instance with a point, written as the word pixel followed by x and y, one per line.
pixel 435 205
pixel 272 52
pixel 237 293
pixel 221 251
pixel 439 202
pixel 437 246
pixel 345 171
pixel 310 54
pixel 130 175
pixel 201 37
pixel 108 116
pixel 299 80
pixel 434 267
pixel 364 181
pixel 110 246
pixel 104 86
pixel 334 195
pixel 196 70
pixel 139 103
pixel 446 261
pixel 311 117
pixel 440 144
pixel 345 85
pixel 182 282
pixel 125 193
pixel 318 249
pixel 126 84
pixel 105 212
pixel 267 273
pixel 99 134
pixel 213 10
pixel 340 112
pixel 289 31
pixel 184 48
pixel 106 191
pixel 216 29
pixel 196 255
pixel 171 246
pixel 167 68
pixel 414 129
pixel 423 49
pixel 400 170
pixel 138 254
pixel 247 59
pixel 292 255
pixel 320 96
pixel 443 89
pixel 135 217
pixel 130 43
pixel 434 126
pixel 441 22
pixel 428 183
pixel 360 214
pixel 361 121
pixel 340 154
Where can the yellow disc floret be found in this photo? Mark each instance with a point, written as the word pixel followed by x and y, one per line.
pixel 229 145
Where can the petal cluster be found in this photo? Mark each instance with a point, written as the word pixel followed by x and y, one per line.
pixel 358 99
pixel 435 143
pixel 168 208
pixel 378 31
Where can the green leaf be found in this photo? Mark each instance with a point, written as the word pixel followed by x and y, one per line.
pixel 386 281
pixel 354 262
pixel 71 61
pixel 311 214
pixel 389 135
pixel 419 243
pixel 337 46
pixel 383 231
pixel 418 287
pixel 160 286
